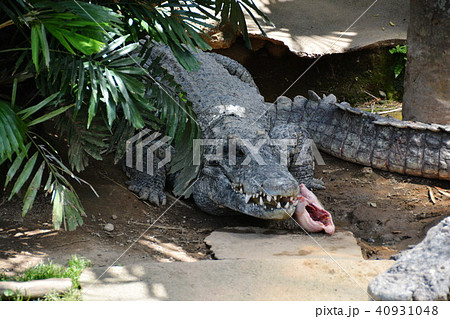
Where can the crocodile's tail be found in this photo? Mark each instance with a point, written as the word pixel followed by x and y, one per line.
pixel 369 139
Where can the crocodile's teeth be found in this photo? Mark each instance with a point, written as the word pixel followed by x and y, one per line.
pixel 247 197
pixel 287 205
pixel 261 201
pixel 278 205
pixel 255 195
pixel 295 203
pixel 275 198
pixel 269 198
pixel 291 198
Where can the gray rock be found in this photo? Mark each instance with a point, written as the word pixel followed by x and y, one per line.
pixel 422 273
pixel 108 227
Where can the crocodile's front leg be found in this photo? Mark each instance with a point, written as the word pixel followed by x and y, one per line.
pixel 148 187
pixel 149 184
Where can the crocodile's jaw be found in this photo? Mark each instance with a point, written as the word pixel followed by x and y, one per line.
pixel 270 197
pixel 263 205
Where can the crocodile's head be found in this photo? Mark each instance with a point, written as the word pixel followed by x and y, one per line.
pixel 267 192
pixel 251 176
pixel 264 191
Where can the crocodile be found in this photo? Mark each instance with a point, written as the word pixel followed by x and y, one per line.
pixel 268 165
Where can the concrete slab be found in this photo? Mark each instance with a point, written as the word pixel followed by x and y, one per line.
pixel 269 279
pixel 259 243
pixel 320 26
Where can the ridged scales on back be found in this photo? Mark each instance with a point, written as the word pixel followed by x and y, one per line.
pixel 370 139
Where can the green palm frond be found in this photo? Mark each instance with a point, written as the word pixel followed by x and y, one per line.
pixel 176 113
pixel 67 207
pixel 171 22
pixel 122 131
pixel 77 26
pixel 12 132
pixel 111 81
pixel 28 171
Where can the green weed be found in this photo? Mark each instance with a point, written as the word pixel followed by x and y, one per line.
pixel 400 63
pixel 75 265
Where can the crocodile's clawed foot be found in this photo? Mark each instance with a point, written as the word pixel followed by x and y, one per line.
pixel 154 197
pixel 157 198
pixel 315 184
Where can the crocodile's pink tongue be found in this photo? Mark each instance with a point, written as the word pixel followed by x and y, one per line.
pixel 310 213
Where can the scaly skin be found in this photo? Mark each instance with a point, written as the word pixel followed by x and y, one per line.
pixel 368 139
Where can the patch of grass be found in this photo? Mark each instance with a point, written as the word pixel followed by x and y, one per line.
pixel 75 266
pixel 3 277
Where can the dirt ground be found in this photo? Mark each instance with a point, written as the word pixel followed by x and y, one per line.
pixel 386 213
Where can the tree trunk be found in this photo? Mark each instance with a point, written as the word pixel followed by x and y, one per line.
pixel 427 78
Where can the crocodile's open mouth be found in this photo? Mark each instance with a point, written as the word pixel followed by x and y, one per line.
pixel 305 208
pixel 266 201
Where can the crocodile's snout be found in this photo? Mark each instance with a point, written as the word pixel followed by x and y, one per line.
pixel 276 186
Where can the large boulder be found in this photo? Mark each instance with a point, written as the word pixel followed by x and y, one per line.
pixel 422 273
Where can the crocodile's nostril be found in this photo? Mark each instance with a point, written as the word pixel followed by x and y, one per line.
pixel 280 186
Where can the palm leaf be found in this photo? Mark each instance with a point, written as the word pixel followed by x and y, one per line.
pixel 24 175
pixel 12 132
pixel 30 195
pixel 16 164
pixel 67 205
